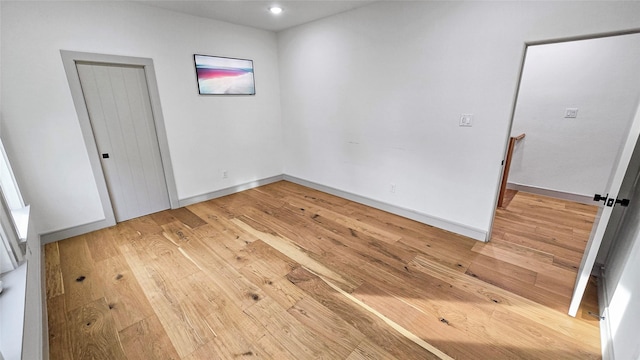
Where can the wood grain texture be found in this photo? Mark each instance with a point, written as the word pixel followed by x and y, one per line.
pixel 372 326
pixel 102 245
pixel 537 234
pixel 59 343
pixel 82 284
pixel 287 272
pixel 127 301
pixel 328 326
pixel 146 339
pixel 53 280
pixel 92 332
pixel 183 324
pixel 367 350
pixel 298 339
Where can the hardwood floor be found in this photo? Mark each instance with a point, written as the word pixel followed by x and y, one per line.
pixel 541 240
pixel 286 272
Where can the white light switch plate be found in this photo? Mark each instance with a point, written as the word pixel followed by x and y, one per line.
pixel 571 113
pixel 466 120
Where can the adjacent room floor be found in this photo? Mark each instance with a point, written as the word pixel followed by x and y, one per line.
pixel 544 239
pixel 287 272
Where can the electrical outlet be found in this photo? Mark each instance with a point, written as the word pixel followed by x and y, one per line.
pixel 224 174
pixel 393 188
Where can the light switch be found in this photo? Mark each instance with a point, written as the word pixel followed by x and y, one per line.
pixel 571 113
pixel 466 120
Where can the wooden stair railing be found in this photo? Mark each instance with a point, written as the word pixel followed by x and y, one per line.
pixel 507 166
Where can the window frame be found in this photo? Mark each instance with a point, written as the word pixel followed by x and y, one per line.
pixel 11 203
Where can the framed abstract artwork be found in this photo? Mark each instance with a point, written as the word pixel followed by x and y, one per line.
pixel 224 76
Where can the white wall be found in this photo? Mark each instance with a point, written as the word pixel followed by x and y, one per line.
pixel 206 134
pixel 370 97
pixel 373 96
pixel 600 77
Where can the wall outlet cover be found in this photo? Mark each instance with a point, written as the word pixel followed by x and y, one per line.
pixel 571 113
pixel 466 120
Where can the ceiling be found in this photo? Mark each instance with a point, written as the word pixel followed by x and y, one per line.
pixel 256 13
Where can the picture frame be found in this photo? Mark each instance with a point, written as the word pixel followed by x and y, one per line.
pixel 217 75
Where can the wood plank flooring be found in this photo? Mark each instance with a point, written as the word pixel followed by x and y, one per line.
pixel 536 246
pixel 286 272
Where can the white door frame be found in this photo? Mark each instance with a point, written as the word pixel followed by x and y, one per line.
pixel 601 226
pixel 514 103
pixel 589 260
pixel 69 59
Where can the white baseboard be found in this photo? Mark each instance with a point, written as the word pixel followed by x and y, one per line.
pixel 448 225
pixel 101 224
pixel 579 198
pixel 229 190
pixel 74 231
pixel 606 341
pixel 457 228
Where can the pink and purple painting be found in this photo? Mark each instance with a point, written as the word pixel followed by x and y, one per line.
pixel 224 76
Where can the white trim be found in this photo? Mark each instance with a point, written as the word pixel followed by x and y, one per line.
pixel 579 198
pixel 230 190
pixel 69 63
pixel 101 224
pixel 448 225
pixel 161 134
pixel 514 103
pixel 9 235
pixel 606 341
pixel 12 308
pixel 603 219
pixel 43 297
pixel 517 94
pixel 34 341
pixel 23 307
pixel 66 233
pixel 14 188
pixel 69 59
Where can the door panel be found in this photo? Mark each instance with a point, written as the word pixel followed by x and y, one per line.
pixel 604 214
pixel 622 279
pixel 119 108
pixel 627 191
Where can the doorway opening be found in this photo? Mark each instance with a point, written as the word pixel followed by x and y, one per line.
pixel 575 104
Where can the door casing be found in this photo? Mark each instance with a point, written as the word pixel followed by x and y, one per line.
pixel 574 300
pixel 69 59
pixel 514 102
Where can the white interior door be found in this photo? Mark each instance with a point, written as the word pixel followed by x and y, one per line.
pixel 604 214
pixel 622 279
pixel 119 107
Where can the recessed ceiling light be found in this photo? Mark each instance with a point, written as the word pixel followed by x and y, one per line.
pixel 275 10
